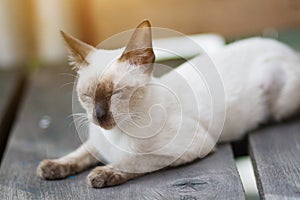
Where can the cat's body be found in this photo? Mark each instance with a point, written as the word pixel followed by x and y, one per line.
pixel 261 80
pixel 258 75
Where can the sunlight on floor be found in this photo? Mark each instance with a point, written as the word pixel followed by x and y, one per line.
pixel 245 169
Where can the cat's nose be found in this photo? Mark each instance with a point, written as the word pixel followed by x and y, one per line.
pixel 99 112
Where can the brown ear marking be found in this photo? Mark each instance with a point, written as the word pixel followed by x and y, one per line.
pixel 144 23
pixel 139 49
pixel 78 49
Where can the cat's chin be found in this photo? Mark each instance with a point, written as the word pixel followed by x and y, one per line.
pixel 104 125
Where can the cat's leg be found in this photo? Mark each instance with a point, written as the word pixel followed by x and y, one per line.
pixel 128 168
pixel 202 146
pixel 103 176
pixel 73 163
pixel 133 167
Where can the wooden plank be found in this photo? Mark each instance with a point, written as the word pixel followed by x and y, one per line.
pixel 275 154
pixel 12 83
pixel 214 177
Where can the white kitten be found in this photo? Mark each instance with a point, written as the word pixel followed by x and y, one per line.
pixel 140 123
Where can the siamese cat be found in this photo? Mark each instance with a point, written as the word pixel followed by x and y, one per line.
pixel 137 125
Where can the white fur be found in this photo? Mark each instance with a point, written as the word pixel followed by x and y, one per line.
pixel 261 79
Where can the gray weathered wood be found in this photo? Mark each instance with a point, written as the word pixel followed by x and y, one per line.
pixel 7 79
pixel 214 177
pixel 11 85
pixel 275 153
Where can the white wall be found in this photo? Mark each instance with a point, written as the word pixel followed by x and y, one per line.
pixel 51 17
pixel 12 43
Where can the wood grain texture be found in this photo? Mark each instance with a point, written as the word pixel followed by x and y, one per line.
pixel 275 154
pixel 11 85
pixel 7 79
pixel 214 177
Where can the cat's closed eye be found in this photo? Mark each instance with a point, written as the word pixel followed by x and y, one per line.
pixel 85 97
pixel 117 91
pixel 123 90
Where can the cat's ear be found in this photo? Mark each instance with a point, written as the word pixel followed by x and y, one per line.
pixel 78 51
pixel 139 48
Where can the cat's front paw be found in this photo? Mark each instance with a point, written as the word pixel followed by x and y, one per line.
pixel 51 169
pixel 105 176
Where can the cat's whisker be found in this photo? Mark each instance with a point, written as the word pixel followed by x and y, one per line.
pixel 80 120
pixel 68 74
pixel 78 117
pixel 120 120
pixel 69 83
pixel 76 121
pixel 76 114
pixel 73 122
pixel 129 122
pixel 132 113
pixel 128 117
pixel 128 114
pixel 83 124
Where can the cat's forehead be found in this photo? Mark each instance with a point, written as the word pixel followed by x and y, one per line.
pixel 99 63
pixel 105 63
pixel 110 65
pixel 105 66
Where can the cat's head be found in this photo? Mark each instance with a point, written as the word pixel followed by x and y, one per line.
pixel 108 90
